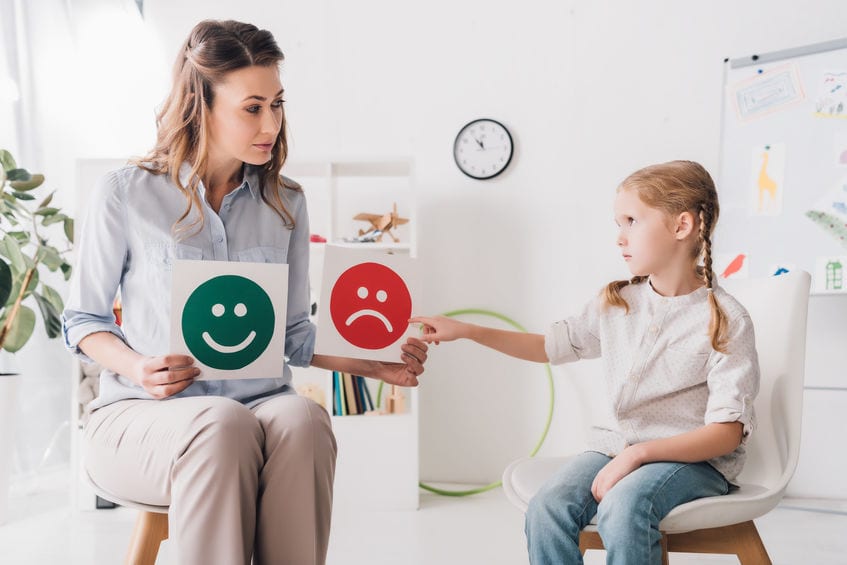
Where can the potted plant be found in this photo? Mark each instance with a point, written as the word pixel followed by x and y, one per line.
pixel 26 233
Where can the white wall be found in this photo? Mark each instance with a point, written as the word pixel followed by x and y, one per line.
pixel 590 91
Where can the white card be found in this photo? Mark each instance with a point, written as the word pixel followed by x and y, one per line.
pixel 230 317
pixel 367 298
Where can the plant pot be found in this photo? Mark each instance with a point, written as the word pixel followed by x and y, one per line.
pixel 8 416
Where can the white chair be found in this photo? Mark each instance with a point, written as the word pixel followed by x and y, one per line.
pixel 724 524
pixel 151 528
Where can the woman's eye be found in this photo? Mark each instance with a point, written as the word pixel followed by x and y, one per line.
pixel 253 109
pixel 277 104
pixel 630 221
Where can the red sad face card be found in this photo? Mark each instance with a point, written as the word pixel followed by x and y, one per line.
pixel 366 301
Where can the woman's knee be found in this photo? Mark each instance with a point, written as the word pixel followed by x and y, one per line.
pixel 226 425
pixel 299 421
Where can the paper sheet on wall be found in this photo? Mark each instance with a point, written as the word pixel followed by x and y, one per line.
pixel 230 316
pixel 767 176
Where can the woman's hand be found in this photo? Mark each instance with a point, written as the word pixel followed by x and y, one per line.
pixel 625 463
pixel 406 373
pixel 165 375
pixel 440 328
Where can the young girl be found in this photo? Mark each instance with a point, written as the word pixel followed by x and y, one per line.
pixel 681 370
pixel 246 466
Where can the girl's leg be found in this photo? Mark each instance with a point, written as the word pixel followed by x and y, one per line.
pixel 628 516
pixel 200 455
pixel 562 507
pixel 295 485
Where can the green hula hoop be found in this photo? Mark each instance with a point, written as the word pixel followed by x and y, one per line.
pixel 491 486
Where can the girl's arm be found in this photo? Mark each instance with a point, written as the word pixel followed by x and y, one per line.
pixel 516 344
pixel 161 376
pixel 702 444
pixel 403 374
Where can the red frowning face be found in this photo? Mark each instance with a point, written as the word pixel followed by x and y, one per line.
pixel 370 306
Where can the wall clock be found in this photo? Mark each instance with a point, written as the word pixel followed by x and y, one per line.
pixel 483 149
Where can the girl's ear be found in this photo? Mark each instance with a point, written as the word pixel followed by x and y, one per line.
pixel 684 225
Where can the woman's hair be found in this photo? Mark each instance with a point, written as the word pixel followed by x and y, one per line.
pixel 676 187
pixel 213 49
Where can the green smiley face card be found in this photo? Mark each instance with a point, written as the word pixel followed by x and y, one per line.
pixel 230 317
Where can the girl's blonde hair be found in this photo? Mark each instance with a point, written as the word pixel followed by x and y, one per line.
pixel 213 49
pixel 674 188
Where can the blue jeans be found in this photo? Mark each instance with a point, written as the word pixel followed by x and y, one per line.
pixel 627 518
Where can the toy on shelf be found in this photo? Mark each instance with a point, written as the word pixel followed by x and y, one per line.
pixel 317 238
pixel 381 224
pixel 395 402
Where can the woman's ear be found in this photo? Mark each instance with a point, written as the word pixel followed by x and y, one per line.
pixel 684 225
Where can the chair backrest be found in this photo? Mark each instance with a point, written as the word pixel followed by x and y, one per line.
pixel 778 307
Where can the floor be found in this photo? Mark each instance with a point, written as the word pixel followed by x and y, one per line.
pixel 483 529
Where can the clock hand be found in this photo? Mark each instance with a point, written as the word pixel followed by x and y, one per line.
pixel 478 142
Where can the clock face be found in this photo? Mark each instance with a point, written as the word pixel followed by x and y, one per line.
pixel 483 149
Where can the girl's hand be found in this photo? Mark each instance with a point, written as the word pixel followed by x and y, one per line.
pixel 625 463
pixel 165 375
pixel 406 373
pixel 440 328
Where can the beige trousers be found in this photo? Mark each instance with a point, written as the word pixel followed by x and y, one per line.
pixel 240 482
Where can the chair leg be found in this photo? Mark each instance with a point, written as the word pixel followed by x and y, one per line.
pixel 739 539
pixel 151 529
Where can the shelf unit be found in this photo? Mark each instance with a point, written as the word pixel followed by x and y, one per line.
pixel 377 465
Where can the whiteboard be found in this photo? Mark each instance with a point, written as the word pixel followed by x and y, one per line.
pixel 784 154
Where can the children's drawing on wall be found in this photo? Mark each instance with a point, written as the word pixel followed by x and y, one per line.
pixel 840 149
pixel 766 92
pixel 731 265
pixel 832 95
pixel 830 212
pixel 829 274
pixel 767 175
pixel 777 269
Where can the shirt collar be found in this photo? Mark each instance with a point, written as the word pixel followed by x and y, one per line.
pixel 693 297
pixel 251 179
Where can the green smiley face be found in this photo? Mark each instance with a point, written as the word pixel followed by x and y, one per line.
pixel 227 322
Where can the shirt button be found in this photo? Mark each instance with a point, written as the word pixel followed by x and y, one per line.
pixel 220 239
pixel 654 329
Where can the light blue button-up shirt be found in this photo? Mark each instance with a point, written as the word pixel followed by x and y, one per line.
pixel 126 242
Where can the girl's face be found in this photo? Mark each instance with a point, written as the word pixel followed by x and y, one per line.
pixel 650 239
pixel 246 115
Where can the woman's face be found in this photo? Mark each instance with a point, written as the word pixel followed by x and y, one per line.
pixel 246 115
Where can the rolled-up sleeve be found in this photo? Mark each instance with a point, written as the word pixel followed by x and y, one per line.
pixel 575 338
pixel 734 379
pixel 299 330
pixel 100 259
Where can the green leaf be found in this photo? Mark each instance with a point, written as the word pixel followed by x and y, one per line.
pixel 5 282
pixel 7 161
pixel 53 219
pixel 66 270
pixel 22 195
pixel 46 211
pixel 11 249
pixel 21 330
pixel 34 181
pixel 52 319
pixel 18 175
pixel 47 200
pixel 69 229
pixel 21 236
pixel 54 297
pixel 50 257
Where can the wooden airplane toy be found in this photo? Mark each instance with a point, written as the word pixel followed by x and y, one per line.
pixel 381 224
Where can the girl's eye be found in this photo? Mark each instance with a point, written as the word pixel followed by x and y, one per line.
pixel 630 221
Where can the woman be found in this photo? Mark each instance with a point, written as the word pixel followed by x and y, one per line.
pixel 246 466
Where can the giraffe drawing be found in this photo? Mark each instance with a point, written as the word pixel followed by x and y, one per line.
pixel 765 182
